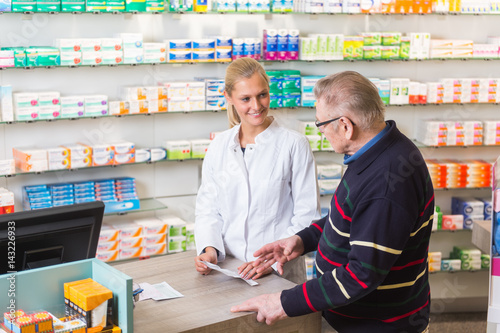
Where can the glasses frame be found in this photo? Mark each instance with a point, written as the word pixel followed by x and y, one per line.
pixel 326 122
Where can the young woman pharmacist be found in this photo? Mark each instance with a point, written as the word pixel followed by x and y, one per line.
pixel 258 179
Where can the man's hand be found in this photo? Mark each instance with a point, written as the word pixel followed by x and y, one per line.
pixel 210 256
pixel 280 251
pixel 268 308
pixel 249 271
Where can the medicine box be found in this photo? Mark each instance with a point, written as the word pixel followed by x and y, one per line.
pixel 178 150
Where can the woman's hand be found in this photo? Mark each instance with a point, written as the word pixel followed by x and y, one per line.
pixel 249 271
pixel 210 256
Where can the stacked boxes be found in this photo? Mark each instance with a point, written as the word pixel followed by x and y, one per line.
pixel 90 300
pixel 285 88
pixel 30 159
pixel 72 106
pixel 224 6
pixel 38 56
pixel 155 236
pixel 179 50
pixel 123 152
pixel 91 51
pixel 199 148
pixel 450 133
pixel 70 51
pixel 434 261
pixel 329 175
pixel 281 6
pixel 176 241
pixel 491 132
pixel 224 49
pixel 269 45
pixel 307 90
pixel 451 48
pixel 112 51
pixel 246 48
pixel 420 44
pixel 214 93
pixel 203 50
pixel 287 44
pixel 6 201
pixel 399 91
pixel 80 155
pixel 26 107
pixel 133 48
pixel 459 174
pixel 6 107
pixel 102 154
pixel 470 259
pixel 178 150
pixel 141 100
pixel 108 245
pixel 7 167
pixel 321 47
pixel 353 47
pixel 118 194
pixel 185 96
pixel 180 6
pixel 470 208
pixel 95 105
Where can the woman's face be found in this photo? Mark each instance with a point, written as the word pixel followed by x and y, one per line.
pixel 251 99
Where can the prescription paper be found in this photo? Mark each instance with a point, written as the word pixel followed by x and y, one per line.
pixel 229 273
pixel 158 292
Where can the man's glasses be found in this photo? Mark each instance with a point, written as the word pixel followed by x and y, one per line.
pixel 323 123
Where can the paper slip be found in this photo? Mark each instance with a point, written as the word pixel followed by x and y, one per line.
pixel 158 292
pixel 229 273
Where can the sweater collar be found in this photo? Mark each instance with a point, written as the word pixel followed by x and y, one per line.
pixel 351 158
pixel 390 133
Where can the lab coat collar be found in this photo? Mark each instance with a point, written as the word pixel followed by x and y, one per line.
pixel 259 139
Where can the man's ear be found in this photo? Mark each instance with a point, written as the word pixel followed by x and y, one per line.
pixel 347 127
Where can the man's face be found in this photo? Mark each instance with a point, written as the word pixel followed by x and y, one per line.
pixel 331 131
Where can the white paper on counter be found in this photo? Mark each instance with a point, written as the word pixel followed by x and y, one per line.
pixel 229 273
pixel 158 292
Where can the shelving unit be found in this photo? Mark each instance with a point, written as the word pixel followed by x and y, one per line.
pixel 178 182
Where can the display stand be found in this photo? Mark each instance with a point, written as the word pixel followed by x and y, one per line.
pixel 494 297
pixel 42 288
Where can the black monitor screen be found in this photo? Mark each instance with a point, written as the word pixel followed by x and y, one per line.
pixel 49 236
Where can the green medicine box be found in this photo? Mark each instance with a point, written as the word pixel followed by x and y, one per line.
pixel 48 6
pixel 371 38
pixel 95 6
pixel 115 6
pixel 24 5
pixel 19 55
pixel 72 6
pixel 404 50
pixel 372 52
pixel 390 52
pixel 42 56
pixel 135 5
pixel 391 38
pixel 155 6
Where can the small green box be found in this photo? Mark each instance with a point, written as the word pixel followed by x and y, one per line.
pixel 391 38
pixel 176 244
pixel 404 50
pixel 155 5
pixel 390 52
pixel 42 56
pixel 372 52
pixel 115 6
pixel 485 261
pixel 48 6
pixel 19 55
pixel 135 5
pixel 24 5
pixel 95 6
pixel 372 38
pixel 276 100
pixel 72 6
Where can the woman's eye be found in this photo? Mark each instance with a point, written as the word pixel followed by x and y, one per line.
pixel 246 99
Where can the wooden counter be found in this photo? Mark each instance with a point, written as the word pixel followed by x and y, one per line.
pixel 207 300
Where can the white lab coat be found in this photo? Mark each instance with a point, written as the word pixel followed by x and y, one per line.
pixel 248 200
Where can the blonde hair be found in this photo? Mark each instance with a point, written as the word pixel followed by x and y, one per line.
pixel 350 93
pixel 242 68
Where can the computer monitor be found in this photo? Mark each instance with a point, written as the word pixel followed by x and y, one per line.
pixel 49 236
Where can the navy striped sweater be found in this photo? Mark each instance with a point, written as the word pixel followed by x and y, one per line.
pixel 372 247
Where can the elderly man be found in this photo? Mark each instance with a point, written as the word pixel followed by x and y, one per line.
pixel 372 247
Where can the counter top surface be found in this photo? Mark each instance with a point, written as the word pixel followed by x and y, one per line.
pixel 207 299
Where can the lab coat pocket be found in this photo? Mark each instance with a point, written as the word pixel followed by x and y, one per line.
pixel 275 192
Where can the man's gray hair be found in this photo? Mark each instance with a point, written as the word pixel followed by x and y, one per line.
pixel 351 94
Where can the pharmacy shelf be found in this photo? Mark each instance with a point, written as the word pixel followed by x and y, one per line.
pixel 106 116
pixel 96 167
pixel 461 271
pixel 421 145
pixel 249 13
pixel 146 205
pixel 265 62
pixel 452 231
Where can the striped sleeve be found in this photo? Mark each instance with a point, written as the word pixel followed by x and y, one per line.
pixel 374 246
pixel 310 236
